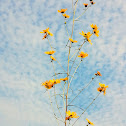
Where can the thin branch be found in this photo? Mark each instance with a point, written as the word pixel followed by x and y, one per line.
pixel 50 44
pixel 61 66
pixel 77 54
pixel 74 73
pixel 53 108
pixel 58 74
pixel 77 107
pixel 82 13
pixel 66 28
pixel 63 95
pixel 55 94
pixel 68 61
pixel 86 108
pixel 54 57
pixel 82 90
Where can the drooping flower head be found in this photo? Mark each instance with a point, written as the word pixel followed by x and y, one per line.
pixel 64 79
pixel 52 58
pixel 71 115
pixel 62 10
pixel 82 54
pixel 85 4
pixel 66 15
pixel 50 52
pixel 102 88
pixel 45 36
pixel 89 122
pixel 73 41
pixel 98 73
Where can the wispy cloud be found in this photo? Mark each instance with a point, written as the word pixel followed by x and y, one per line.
pixel 24 65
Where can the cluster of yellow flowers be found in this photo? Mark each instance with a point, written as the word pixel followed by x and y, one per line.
pixel 63 13
pixel 51 52
pixel 49 84
pixel 46 32
pixel 74 115
pixel 88 34
pixel 95 30
pixel 102 87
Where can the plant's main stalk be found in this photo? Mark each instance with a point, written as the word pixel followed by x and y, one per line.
pixel 69 60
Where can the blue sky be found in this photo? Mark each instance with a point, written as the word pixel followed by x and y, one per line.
pixel 24 66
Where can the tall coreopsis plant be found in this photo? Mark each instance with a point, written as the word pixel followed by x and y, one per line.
pixel 64 114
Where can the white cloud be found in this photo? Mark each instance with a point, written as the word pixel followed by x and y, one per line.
pixel 24 65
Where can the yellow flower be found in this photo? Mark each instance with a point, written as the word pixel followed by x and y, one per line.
pixel 73 41
pixel 83 55
pixel 89 41
pixel 98 73
pixel 99 89
pixel 102 88
pixel 44 83
pixel 52 58
pixel 87 36
pixel 55 81
pixel 89 122
pixel 49 33
pixel 94 27
pixel 85 4
pixel 83 34
pixel 66 15
pixel 45 31
pixel 103 85
pixel 71 115
pixel 96 32
pixel 64 79
pixel 62 10
pixel 47 84
pixel 50 52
